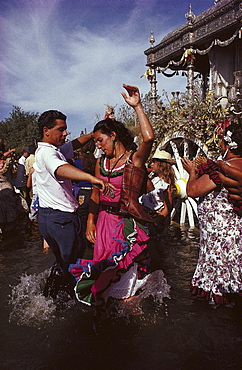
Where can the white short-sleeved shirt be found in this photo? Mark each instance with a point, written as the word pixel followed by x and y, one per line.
pixel 53 191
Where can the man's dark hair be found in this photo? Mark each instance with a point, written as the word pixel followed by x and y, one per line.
pixel 47 119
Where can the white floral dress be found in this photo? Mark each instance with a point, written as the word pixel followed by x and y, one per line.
pixel 219 267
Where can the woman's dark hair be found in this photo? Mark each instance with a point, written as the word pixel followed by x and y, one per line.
pixel 47 119
pixel 236 129
pixel 124 135
pixel 88 159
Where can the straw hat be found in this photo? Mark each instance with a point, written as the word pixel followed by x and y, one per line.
pixel 162 155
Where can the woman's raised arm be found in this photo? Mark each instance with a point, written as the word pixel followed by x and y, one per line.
pixel 142 154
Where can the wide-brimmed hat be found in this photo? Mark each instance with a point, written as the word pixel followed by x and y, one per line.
pixel 162 155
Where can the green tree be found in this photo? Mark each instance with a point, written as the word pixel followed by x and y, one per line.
pixel 20 129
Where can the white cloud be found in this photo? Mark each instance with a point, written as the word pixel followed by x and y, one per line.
pixel 45 66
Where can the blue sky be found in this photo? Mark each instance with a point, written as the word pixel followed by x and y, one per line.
pixel 74 55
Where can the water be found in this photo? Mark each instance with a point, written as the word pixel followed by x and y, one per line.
pixel 180 333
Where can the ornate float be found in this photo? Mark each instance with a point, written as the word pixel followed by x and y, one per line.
pixel 208 45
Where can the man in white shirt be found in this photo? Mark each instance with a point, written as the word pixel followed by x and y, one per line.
pixel 57 217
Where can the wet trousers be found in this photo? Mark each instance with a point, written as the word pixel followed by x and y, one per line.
pixel 60 230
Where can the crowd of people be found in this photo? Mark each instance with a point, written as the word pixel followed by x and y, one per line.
pixel 117 204
pixel 13 205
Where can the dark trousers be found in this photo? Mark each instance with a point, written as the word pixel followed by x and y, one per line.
pixel 60 230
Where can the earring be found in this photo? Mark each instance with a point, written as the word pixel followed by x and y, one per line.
pixel 113 140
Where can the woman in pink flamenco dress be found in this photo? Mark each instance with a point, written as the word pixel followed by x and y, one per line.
pixel 121 263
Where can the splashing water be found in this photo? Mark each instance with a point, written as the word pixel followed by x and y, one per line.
pixel 156 287
pixel 30 307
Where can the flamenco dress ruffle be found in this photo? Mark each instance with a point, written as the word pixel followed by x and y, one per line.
pixel 119 248
pixel 125 242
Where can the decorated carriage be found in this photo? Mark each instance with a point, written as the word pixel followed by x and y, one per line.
pixel 207 51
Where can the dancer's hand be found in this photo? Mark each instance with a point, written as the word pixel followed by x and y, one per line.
pixel 190 166
pixel 91 232
pixel 105 187
pixel 200 160
pixel 134 96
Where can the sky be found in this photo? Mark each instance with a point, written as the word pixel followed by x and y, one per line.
pixel 74 55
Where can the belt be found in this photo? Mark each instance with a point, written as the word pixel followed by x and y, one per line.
pixel 86 187
pixel 111 209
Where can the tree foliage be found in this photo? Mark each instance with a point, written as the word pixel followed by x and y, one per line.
pixel 20 129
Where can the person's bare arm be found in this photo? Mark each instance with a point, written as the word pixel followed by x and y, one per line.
pixel 167 194
pixel 81 140
pixel 29 179
pixel 93 209
pixel 133 99
pixel 9 152
pixel 142 154
pixel 71 172
pixel 197 187
pixel 231 178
